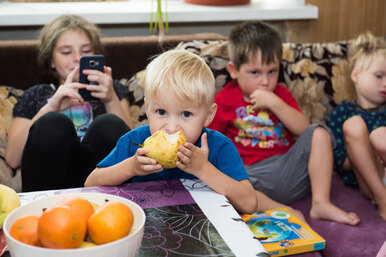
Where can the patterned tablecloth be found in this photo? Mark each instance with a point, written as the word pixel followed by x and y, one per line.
pixel 183 218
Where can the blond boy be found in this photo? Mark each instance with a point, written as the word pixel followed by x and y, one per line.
pixel 179 94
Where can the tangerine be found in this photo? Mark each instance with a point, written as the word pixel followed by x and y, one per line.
pixel 25 229
pixel 61 228
pixel 110 222
pixel 78 204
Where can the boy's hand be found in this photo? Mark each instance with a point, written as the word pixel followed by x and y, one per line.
pixel 262 99
pixel 192 158
pixel 145 165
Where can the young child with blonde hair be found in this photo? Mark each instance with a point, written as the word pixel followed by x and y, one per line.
pixel 360 126
pixel 179 93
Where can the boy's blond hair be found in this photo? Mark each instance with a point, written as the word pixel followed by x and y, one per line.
pixel 185 73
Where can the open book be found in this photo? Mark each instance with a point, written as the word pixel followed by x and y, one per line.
pixel 281 233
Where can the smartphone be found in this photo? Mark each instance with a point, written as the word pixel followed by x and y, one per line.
pixel 89 62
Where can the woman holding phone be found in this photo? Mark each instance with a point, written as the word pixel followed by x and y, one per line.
pixel 56 136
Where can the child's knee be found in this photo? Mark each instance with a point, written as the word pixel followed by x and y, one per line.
pixel 321 131
pixel 321 134
pixel 53 128
pixel 354 127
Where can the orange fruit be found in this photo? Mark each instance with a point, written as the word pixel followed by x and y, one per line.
pixel 61 228
pixel 110 222
pixel 78 204
pixel 25 229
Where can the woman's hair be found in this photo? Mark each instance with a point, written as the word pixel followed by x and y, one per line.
pixel 246 39
pixel 52 31
pixel 364 49
pixel 185 73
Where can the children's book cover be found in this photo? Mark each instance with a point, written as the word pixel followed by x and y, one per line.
pixel 282 234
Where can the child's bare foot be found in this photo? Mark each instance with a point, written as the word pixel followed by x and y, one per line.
pixel 328 211
pixel 382 213
pixel 297 213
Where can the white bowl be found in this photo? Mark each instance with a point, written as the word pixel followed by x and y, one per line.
pixel 125 247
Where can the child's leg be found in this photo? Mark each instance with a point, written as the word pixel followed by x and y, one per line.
pixel 378 141
pixel 266 203
pixel 44 165
pixel 361 153
pixel 276 186
pixel 320 172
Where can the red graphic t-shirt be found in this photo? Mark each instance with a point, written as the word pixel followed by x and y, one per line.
pixel 257 134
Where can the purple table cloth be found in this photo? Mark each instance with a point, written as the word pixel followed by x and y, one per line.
pixel 183 218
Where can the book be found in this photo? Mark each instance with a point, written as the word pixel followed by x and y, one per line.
pixel 282 234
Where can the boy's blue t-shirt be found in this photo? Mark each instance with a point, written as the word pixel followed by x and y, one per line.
pixel 223 155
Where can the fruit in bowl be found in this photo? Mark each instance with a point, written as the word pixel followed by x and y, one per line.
pixel 110 222
pixel 9 200
pixel 66 221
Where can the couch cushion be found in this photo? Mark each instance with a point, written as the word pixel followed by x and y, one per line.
pixel 215 54
pixel 19 63
pixel 316 74
pixel 8 97
pixel 136 98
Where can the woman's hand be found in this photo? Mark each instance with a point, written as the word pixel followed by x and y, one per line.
pixel 67 94
pixel 104 90
pixel 106 93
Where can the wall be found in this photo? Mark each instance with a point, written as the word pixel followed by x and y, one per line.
pixel 338 20
pixel 130 18
pixel 290 30
pixel 345 19
pixel 32 32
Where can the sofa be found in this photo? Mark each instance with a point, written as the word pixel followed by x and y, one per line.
pixel 314 73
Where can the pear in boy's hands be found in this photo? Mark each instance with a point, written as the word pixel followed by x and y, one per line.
pixel 163 147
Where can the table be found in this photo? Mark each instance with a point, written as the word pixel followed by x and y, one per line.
pixel 183 218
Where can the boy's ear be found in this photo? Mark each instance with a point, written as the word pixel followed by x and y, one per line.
pixel 211 114
pixel 354 75
pixel 232 69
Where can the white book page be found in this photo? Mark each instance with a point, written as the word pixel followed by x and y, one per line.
pixel 226 220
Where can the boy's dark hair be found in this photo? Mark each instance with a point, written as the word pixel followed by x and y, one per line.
pixel 246 39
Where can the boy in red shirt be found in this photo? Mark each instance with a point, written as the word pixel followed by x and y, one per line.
pixel 263 119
